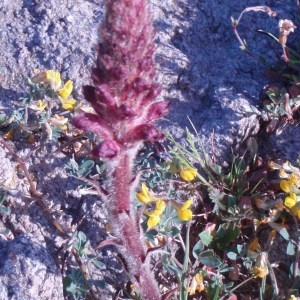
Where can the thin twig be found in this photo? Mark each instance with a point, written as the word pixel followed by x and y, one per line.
pixel 236 287
pixel 35 194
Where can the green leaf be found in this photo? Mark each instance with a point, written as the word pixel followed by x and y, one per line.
pixel 206 237
pixel 213 289
pixel 5 210
pixel 171 268
pixel 75 283
pixel 227 233
pixel 212 262
pixel 151 234
pixel 100 169
pixel 216 169
pixel 199 246
pixel 224 268
pixel 2 118
pixel 174 231
pixel 284 233
pixel 2 197
pixel 81 236
pixel 231 201
pixel 232 255
pixel 98 264
pixel 85 168
pixel 81 244
pixel 206 253
pixel 290 250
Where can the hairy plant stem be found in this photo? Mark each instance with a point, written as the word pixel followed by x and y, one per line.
pixel 126 226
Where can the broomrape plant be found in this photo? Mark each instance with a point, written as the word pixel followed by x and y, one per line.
pixel 124 99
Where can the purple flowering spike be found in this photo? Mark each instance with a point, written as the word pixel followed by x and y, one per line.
pixel 91 122
pixel 158 110
pixel 144 132
pixel 123 95
pixel 107 149
pixel 105 95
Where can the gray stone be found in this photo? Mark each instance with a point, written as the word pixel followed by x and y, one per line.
pixel 28 271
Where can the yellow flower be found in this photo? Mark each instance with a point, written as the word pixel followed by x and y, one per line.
pixel 66 90
pixel 260 272
pixel 9 135
pixel 188 174
pixel 254 249
pixel 286 185
pixel 144 196
pixel 159 207
pixel 290 200
pixel 68 104
pixel 53 78
pixel 283 174
pixel 31 139
pixel 154 217
pixel 196 284
pixel 295 179
pixel 261 267
pixel 296 210
pixel 292 297
pixel 39 106
pixel 183 212
pixel 60 122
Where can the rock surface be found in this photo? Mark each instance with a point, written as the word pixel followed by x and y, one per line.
pixel 28 271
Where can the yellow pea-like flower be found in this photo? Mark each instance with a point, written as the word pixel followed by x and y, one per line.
pixel 68 104
pixel 66 90
pixel 261 266
pixel 183 212
pixel 53 78
pixel 286 185
pixel 144 196
pixel 39 106
pixel 290 200
pixel 196 285
pixel 155 216
pixel 188 174
pixel 153 219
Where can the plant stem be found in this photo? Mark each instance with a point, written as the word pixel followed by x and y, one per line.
pixel 126 226
pixel 273 279
pixel 184 281
pixel 238 286
pixel 297 256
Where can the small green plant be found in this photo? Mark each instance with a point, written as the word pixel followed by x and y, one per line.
pixel 75 281
pixel 3 208
pixel 46 110
pixel 281 105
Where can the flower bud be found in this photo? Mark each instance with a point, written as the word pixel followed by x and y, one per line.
pixel 107 149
